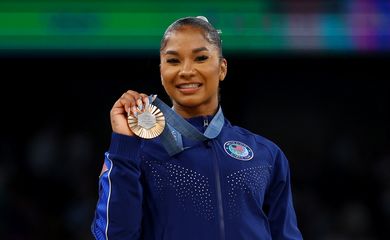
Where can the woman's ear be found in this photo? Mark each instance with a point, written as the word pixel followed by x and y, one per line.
pixel 161 77
pixel 223 69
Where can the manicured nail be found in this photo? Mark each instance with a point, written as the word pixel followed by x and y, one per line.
pixel 146 100
pixel 134 110
pixel 140 105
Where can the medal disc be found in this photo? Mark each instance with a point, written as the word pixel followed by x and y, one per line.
pixel 148 124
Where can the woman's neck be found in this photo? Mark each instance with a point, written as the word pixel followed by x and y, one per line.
pixel 188 112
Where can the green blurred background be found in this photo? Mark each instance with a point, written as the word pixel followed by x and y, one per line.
pixel 246 25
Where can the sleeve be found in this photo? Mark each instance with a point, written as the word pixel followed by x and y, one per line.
pixel 118 212
pixel 279 202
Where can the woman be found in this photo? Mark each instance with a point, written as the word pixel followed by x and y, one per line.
pixel 235 185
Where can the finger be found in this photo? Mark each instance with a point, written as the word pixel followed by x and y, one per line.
pixel 140 104
pixel 145 99
pixel 136 102
pixel 121 106
pixel 129 102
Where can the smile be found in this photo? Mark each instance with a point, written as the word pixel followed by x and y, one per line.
pixel 189 86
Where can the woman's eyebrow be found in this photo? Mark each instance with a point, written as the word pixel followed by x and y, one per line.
pixel 196 50
pixel 171 52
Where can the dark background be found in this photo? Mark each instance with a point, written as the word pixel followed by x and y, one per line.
pixel 328 112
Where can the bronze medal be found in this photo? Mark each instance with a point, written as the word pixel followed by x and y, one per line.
pixel 147 124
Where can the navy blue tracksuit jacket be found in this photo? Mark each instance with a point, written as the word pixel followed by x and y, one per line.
pixel 233 187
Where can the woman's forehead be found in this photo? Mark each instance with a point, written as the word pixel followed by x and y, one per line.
pixel 184 31
pixel 189 36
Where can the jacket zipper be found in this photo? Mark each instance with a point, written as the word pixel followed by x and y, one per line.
pixel 221 221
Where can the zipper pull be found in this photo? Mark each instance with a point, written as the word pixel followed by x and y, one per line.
pixel 205 125
pixel 205 122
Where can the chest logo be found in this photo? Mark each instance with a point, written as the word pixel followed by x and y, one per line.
pixel 238 150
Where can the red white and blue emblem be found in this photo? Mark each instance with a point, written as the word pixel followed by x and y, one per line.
pixel 238 150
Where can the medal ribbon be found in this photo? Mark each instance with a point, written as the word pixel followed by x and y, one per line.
pixel 171 137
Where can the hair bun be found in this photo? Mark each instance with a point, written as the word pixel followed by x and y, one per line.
pixel 203 18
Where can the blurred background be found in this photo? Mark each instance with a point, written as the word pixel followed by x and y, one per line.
pixel 311 75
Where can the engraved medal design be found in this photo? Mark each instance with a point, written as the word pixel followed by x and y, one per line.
pixel 148 124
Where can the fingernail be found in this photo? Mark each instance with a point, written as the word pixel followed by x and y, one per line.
pixel 146 99
pixel 134 110
pixel 140 105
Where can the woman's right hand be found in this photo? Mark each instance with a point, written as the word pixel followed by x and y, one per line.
pixel 128 102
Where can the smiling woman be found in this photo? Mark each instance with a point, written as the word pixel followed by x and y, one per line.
pixel 224 182
pixel 191 69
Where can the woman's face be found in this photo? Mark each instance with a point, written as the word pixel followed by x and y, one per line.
pixel 190 72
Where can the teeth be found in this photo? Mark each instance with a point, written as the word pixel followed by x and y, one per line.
pixel 190 85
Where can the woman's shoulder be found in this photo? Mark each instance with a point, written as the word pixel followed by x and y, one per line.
pixel 260 139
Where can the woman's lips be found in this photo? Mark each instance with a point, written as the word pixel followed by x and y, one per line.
pixel 189 88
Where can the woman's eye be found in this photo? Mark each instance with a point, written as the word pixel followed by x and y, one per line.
pixel 201 58
pixel 172 60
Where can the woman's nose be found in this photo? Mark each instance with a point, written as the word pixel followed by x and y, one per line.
pixel 187 70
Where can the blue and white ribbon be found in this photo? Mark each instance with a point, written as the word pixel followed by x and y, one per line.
pixel 177 127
